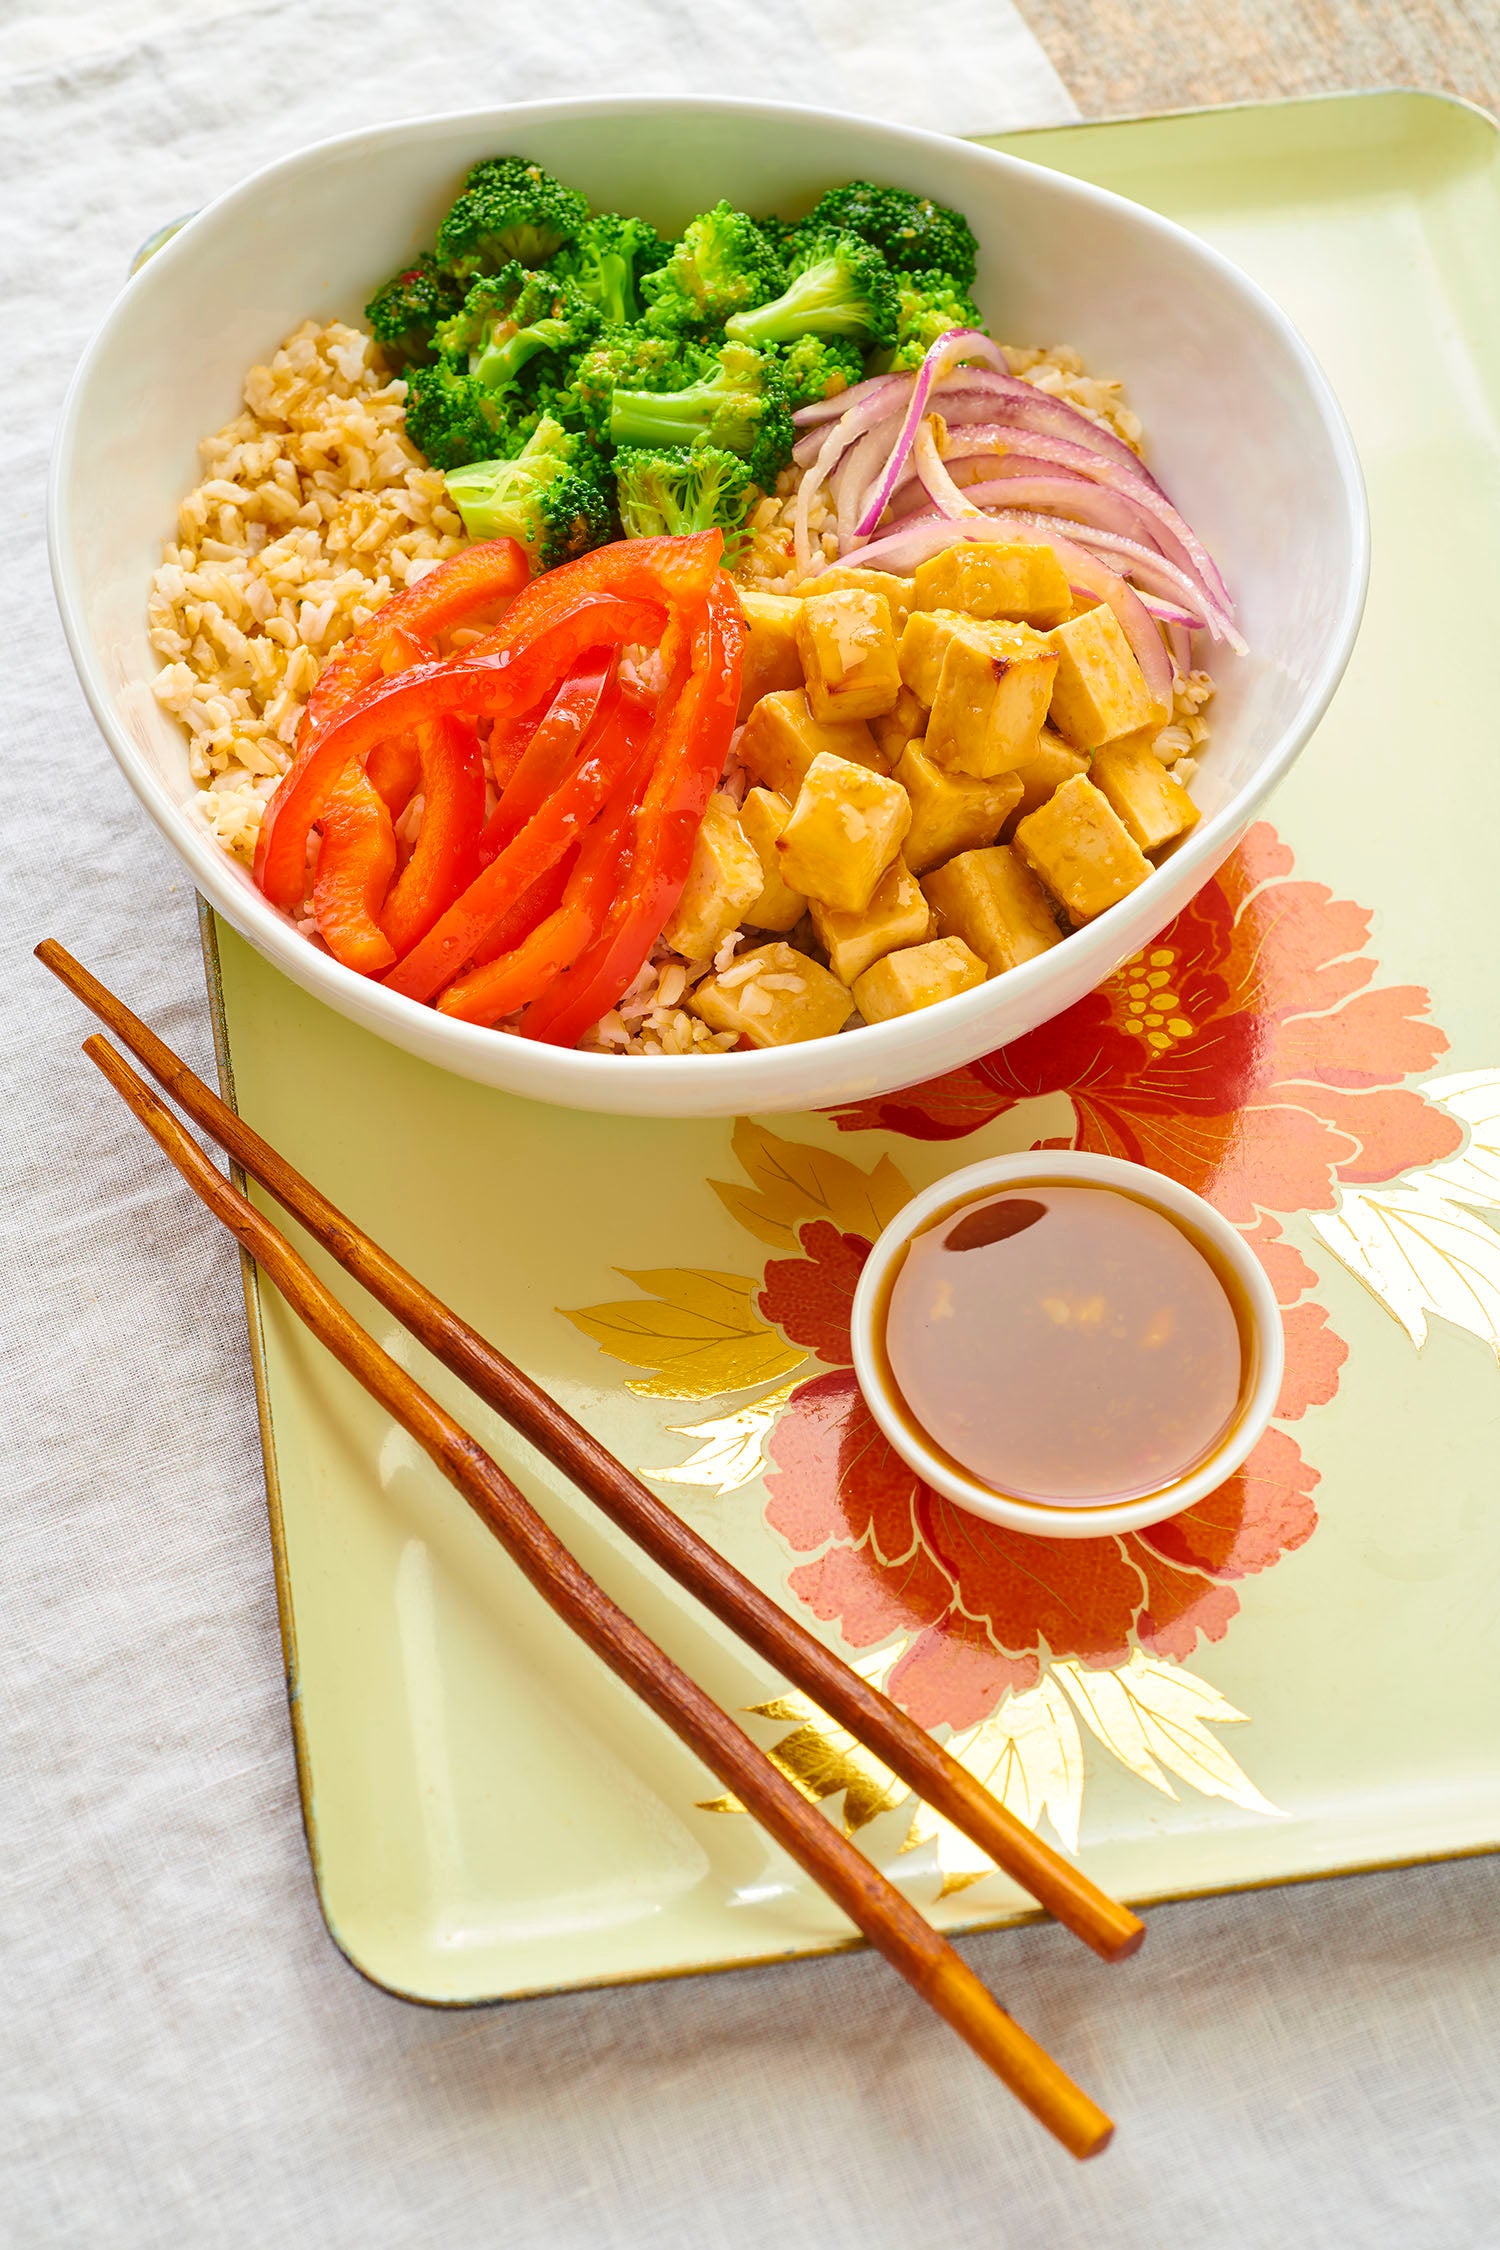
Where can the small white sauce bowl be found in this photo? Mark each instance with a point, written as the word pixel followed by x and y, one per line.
pixel 1071 1168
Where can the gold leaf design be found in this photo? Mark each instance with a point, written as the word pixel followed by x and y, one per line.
pixel 793 1183
pixel 733 1452
pixel 1030 1756
pixel 699 1330
pixel 823 1759
pixel 1151 1714
pixel 1426 1245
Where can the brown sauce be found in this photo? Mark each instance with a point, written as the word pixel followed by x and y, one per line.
pixel 1066 1344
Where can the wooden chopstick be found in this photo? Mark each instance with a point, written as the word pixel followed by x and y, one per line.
pixel 1111 1929
pixel 874 1905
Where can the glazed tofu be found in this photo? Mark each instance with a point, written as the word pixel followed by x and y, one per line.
pixel 846 828
pixel 770 661
pixel 897 915
pixel 781 738
pixel 1046 768
pixel 993 580
pixel 917 978
pixel 724 876
pixel 994 903
pixel 847 645
pixel 1153 806
pixel 905 722
pixel 1078 846
pixel 763 816
pixel 896 591
pixel 1099 691
pixel 992 694
pixel 774 997
pixel 950 812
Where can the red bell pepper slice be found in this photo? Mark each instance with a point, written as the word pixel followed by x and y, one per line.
pixel 532 907
pixel 466 687
pixel 445 858
pixel 486 993
pixel 699 720
pixel 609 754
pixel 395 767
pixel 356 860
pixel 552 749
pixel 493 570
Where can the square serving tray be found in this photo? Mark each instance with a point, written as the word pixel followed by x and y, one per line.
pixel 1293 1681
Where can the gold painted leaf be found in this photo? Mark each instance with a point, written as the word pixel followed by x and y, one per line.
pixel 733 1452
pixel 793 1183
pixel 824 1760
pixel 1150 1714
pixel 1030 1756
pixel 1429 1244
pixel 699 1330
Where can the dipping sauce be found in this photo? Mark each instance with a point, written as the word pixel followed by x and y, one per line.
pixel 1068 1345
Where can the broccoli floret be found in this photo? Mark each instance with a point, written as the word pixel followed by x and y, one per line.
pixel 722 265
pixel 734 399
pixel 818 367
pixel 916 234
pixel 508 209
pixel 449 417
pixel 541 498
pixel 931 303
pixel 605 259
pixel 840 286
pixel 622 359
pixel 405 310
pixel 508 317
pixel 679 489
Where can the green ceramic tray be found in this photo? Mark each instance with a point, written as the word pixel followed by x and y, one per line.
pixel 1294 1680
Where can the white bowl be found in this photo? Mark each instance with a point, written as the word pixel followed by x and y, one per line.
pixel 1240 420
pixel 1034 1167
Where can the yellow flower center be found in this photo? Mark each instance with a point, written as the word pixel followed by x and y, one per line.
pixel 1149 1005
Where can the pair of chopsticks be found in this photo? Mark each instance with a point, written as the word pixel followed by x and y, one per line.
pixel 872 1903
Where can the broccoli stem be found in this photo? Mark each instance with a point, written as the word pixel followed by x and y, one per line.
pixel 653 418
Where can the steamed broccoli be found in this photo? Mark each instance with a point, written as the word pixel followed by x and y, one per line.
pixel 840 286
pixel 622 359
pixel 542 498
pixel 722 265
pixel 508 317
pixel 930 304
pixel 733 399
pixel 678 489
pixel 818 367
pixel 405 310
pixel 508 209
pixel 915 234
pixel 449 417
pixel 604 260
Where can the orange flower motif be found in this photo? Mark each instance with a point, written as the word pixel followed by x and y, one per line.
pixel 1245 1053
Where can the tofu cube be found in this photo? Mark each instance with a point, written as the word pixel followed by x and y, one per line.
pixel 897 591
pixel 926 638
pixel 898 914
pixel 1153 806
pixel 1046 768
pixel 724 876
pixel 846 829
pixel 848 650
pixel 781 738
pixel 770 661
pixel 992 695
pixel 994 903
pixel 990 579
pixel 950 812
pixel 774 997
pixel 905 721
pixel 1099 691
pixel 917 978
pixel 1080 848
pixel 763 816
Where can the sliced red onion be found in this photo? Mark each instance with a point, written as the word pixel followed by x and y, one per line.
pixel 829 409
pixel 851 479
pixel 1076 498
pixel 936 482
pixel 954 345
pixel 1168 613
pixel 1180 644
pixel 1158 576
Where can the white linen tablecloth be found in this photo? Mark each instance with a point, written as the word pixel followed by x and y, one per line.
pixel 185 2061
